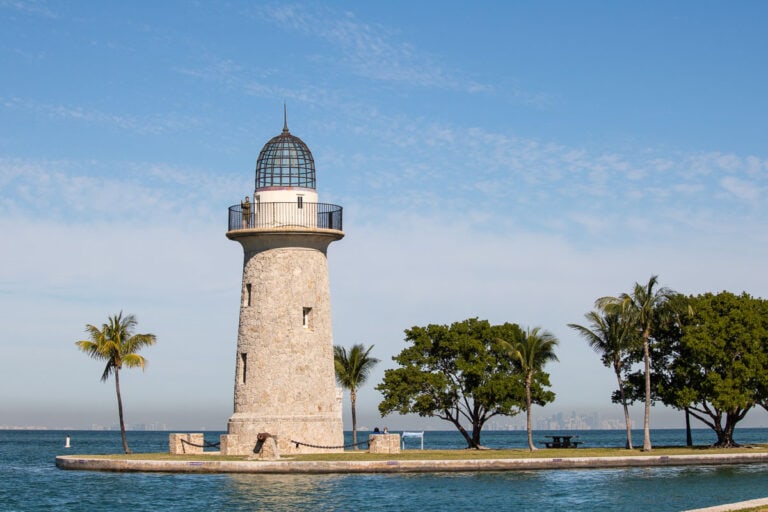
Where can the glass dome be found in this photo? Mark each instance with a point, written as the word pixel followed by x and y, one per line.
pixel 285 161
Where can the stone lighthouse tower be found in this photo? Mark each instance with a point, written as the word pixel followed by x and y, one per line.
pixel 284 375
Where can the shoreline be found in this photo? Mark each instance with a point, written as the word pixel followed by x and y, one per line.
pixel 739 505
pixel 201 465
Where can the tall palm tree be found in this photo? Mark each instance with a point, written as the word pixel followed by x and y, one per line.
pixel 352 370
pixel 532 352
pixel 116 344
pixel 611 336
pixel 641 308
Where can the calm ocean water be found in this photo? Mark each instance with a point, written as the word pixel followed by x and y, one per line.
pixel 29 480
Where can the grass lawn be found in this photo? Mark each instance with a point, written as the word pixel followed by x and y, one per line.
pixel 518 453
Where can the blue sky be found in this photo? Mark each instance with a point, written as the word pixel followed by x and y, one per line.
pixel 506 160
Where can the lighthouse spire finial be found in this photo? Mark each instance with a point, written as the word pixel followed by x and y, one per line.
pixel 285 118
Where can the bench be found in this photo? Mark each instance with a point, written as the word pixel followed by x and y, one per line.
pixel 562 442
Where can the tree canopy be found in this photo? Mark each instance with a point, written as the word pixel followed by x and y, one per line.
pixel 461 373
pixel 713 362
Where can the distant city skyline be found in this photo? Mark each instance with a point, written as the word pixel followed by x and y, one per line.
pixel 511 161
pixel 547 418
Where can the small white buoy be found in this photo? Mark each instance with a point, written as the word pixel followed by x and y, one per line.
pixel 66 445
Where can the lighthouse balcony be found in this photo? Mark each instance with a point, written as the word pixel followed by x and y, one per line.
pixel 300 214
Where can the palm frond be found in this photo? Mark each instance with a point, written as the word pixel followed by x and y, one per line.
pixel 116 343
pixel 107 371
pixel 534 350
pixel 353 366
pixel 134 361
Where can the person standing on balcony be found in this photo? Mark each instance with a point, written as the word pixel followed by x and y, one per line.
pixel 245 207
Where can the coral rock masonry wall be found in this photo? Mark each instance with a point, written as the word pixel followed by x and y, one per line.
pixel 384 443
pixel 284 377
pixel 185 443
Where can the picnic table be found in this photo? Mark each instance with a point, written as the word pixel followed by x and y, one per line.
pixel 562 442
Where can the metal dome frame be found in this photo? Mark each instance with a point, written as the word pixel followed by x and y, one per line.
pixel 285 161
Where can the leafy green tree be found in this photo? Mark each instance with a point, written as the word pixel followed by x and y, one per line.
pixel 116 344
pixel 460 373
pixel 715 366
pixel 641 308
pixel 352 370
pixel 531 352
pixel 614 339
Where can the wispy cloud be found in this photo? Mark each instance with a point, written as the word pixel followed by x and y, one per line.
pixel 36 8
pixel 557 187
pixel 255 82
pixel 96 192
pixel 493 179
pixel 370 50
pixel 151 125
pixel 742 189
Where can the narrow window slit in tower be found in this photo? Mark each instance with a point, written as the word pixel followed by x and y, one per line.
pixel 248 294
pixel 300 201
pixel 306 314
pixel 244 359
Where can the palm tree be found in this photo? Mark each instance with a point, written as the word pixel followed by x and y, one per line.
pixel 352 370
pixel 532 352
pixel 116 344
pixel 641 308
pixel 611 336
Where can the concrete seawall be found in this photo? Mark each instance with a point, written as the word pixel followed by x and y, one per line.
pixel 200 465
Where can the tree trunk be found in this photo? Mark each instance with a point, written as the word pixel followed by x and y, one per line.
pixel 476 437
pixel 722 439
pixel 120 411
pixel 528 424
pixel 627 420
pixel 725 434
pixel 470 442
pixel 688 437
pixel 353 400
pixel 713 418
pixel 647 419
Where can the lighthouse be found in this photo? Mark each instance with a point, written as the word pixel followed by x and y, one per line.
pixel 284 371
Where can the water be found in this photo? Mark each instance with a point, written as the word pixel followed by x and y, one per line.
pixel 29 480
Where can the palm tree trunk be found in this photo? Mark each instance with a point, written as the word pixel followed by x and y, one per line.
pixel 528 424
pixel 120 412
pixel 647 420
pixel 627 420
pixel 353 400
